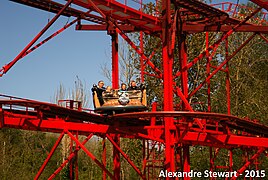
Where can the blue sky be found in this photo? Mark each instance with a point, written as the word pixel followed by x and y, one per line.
pixel 70 54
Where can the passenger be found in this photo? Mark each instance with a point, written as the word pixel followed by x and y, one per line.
pixel 123 95
pixel 123 87
pixel 133 86
pixel 142 86
pixel 99 90
pixel 109 91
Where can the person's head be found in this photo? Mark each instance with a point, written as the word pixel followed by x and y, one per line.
pixel 100 83
pixel 108 89
pixel 133 84
pixel 123 86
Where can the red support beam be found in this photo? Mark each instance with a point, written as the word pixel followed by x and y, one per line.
pixel 186 160
pixel 104 157
pixel 116 157
pixel 93 27
pixel 138 50
pixel 115 8
pixel 71 163
pixel 261 3
pixel 208 73
pixel 228 84
pixel 264 38
pixel 144 160
pixel 90 155
pixel 49 156
pixel 184 70
pixel 142 68
pixel 231 160
pixel 71 156
pixel 231 140
pixel 154 108
pixel 221 66
pixel 249 162
pixel 115 62
pixel 111 23
pixel 76 155
pixel 49 37
pixel 168 87
pixel 214 46
pixel 224 28
pixel 184 85
pixel 211 159
pixel 18 57
pixel 125 156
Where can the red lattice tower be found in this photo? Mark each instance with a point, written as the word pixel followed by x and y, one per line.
pixel 167 134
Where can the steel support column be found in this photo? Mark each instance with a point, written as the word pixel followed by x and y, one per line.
pixel 76 158
pixel 184 85
pixel 186 160
pixel 231 160
pixel 142 68
pixel 115 63
pixel 228 90
pixel 116 157
pixel 211 159
pixel 125 156
pixel 208 73
pixel 104 157
pixel 168 86
pixel 71 163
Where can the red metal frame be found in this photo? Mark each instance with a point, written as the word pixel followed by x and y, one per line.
pixel 23 52
pixel 175 131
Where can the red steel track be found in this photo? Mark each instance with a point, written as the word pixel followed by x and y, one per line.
pixel 166 128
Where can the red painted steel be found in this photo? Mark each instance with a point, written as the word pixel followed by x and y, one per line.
pixel 176 130
pixel 49 156
pixel 115 63
pixel 208 73
pixel 104 157
pixel 142 68
pixel 71 156
pixel 22 53
pixel 261 3
pixel 76 159
pixel 250 161
pixel 125 156
pixel 116 156
pixel 221 66
pixel 168 87
pixel 90 155
pixel 228 89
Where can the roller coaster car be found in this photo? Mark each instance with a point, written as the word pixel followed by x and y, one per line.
pixel 117 101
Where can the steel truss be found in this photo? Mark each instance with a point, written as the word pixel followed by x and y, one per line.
pixel 167 135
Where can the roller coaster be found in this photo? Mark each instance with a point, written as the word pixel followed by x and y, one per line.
pixel 166 128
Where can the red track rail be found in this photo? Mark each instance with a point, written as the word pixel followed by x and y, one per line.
pixel 34 115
